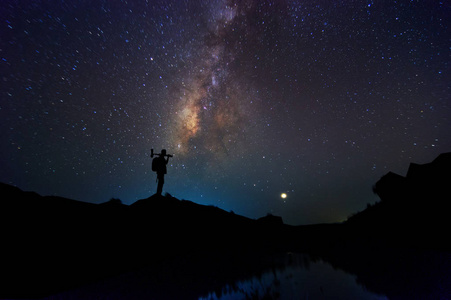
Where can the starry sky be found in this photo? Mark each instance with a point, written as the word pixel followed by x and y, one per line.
pixel 316 99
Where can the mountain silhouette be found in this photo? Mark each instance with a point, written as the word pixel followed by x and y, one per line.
pixel 63 243
pixel 51 244
pixel 413 209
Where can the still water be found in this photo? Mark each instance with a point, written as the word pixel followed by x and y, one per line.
pixel 297 278
pixel 289 276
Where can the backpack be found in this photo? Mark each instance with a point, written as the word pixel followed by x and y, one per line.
pixel 159 165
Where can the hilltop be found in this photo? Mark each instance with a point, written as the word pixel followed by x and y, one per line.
pixel 54 243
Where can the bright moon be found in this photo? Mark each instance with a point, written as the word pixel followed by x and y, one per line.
pixel 283 195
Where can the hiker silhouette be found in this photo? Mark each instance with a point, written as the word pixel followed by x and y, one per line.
pixel 159 165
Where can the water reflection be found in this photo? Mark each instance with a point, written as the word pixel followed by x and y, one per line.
pixel 353 273
pixel 296 277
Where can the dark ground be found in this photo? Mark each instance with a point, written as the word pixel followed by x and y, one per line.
pixel 398 247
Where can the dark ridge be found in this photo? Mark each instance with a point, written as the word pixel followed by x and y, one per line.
pixel 413 209
pixel 51 244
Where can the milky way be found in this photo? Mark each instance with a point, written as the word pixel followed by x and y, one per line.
pixel 315 100
pixel 211 109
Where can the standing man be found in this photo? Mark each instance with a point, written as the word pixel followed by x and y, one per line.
pixel 159 165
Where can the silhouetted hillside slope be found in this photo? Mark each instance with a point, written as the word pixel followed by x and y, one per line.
pixel 413 208
pixel 52 243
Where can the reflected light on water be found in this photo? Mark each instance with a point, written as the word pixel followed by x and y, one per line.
pixel 297 278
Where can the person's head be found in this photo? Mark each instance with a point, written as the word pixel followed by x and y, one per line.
pixel 163 152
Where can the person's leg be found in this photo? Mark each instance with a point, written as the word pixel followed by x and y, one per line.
pixel 160 184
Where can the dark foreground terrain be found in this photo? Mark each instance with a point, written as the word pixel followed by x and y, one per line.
pixel 398 247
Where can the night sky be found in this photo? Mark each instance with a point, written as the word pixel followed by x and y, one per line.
pixel 315 99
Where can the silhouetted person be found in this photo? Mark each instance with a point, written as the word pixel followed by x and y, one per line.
pixel 160 168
